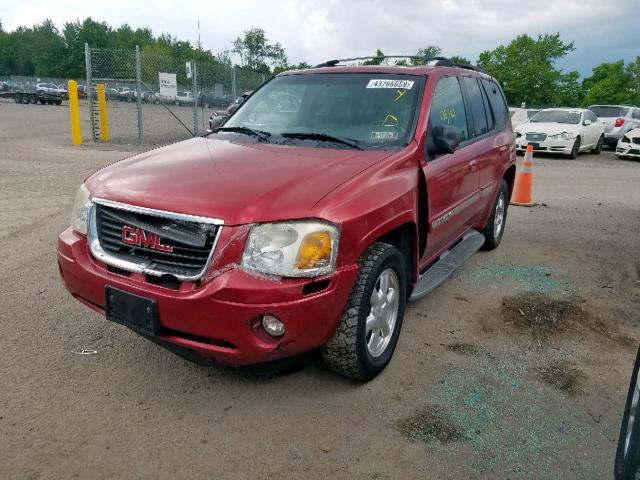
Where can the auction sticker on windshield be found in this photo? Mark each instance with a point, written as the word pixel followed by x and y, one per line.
pixel 382 83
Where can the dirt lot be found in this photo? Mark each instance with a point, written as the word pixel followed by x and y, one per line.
pixel 515 368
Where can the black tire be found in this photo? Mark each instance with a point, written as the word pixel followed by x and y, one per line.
pixel 347 352
pixel 598 148
pixel 58 102
pixel 492 238
pixel 575 151
pixel 17 98
pixel 33 99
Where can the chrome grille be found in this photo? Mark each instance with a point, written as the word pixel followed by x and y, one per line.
pixel 536 137
pixel 157 243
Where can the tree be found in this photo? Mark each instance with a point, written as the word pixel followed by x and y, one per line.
pixel 256 53
pixel 76 34
pixel 633 69
pixel 569 90
pixel 610 83
pixel 460 60
pixel 284 68
pixel 426 54
pixel 375 60
pixel 526 68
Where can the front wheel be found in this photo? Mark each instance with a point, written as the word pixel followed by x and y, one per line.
pixel 494 230
pixel 575 151
pixel 368 331
pixel 598 148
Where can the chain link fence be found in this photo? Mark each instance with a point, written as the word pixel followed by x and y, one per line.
pixel 139 111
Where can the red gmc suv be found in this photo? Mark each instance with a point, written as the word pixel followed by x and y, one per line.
pixel 328 200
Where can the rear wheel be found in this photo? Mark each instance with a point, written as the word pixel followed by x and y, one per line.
pixel 598 148
pixel 33 99
pixel 575 151
pixel 494 230
pixel 366 336
pixel 58 102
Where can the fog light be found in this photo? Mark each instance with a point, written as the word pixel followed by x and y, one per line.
pixel 273 326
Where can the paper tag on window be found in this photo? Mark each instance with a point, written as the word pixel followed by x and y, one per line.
pixel 382 83
pixel 384 135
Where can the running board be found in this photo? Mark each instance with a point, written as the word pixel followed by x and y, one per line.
pixel 446 265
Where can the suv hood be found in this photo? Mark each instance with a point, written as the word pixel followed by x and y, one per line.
pixel 548 128
pixel 237 182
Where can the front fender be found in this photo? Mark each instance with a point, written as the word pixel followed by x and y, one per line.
pixel 373 203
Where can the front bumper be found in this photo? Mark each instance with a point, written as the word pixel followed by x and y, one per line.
pixel 628 149
pixel 549 145
pixel 219 319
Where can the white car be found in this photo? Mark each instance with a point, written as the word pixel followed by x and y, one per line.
pixel 629 145
pixel 521 115
pixel 568 131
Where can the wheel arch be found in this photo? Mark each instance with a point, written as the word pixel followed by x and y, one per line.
pixel 510 177
pixel 405 238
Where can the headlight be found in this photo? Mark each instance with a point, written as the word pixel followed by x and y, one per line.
pixel 80 212
pixel 292 249
pixel 563 136
pixel 518 134
pixel 625 139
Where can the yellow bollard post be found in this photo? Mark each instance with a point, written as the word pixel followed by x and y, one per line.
pixel 102 112
pixel 74 110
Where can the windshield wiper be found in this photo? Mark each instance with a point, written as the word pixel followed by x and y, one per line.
pixel 322 137
pixel 264 136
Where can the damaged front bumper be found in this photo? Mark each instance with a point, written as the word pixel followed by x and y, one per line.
pixel 218 319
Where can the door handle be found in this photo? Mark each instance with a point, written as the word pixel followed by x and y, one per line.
pixel 473 164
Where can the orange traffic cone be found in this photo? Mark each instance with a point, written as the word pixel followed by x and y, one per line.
pixel 522 192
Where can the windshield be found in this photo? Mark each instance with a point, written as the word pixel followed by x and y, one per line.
pixel 557 116
pixel 374 110
pixel 531 114
pixel 608 112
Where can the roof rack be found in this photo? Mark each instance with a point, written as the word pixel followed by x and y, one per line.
pixel 440 61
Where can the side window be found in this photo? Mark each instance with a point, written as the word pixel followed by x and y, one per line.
pixel 487 109
pixel 476 105
pixel 447 106
pixel 636 113
pixel 498 105
pixel 591 116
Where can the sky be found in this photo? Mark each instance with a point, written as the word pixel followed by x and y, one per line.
pixel 316 31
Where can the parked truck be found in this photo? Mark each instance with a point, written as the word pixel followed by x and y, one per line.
pixel 43 93
pixel 299 225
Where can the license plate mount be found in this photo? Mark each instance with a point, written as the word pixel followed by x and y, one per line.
pixel 133 311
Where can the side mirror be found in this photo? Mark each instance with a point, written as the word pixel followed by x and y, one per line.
pixel 628 453
pixel 446 139
pixel 586 123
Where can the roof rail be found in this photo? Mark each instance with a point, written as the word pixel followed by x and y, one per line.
pixel 447 62
pixel 440 61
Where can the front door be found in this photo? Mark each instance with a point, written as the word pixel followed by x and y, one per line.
pixel 452 179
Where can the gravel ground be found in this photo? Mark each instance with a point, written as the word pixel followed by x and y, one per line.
pixel 517 367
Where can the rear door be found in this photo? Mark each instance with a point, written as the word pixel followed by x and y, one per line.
pixel 595 129
pixel 490 139
pixel 452 179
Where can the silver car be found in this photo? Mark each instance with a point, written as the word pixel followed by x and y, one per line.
pixel 618 119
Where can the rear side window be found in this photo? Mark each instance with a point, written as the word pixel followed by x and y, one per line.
pixel 498 105
pixel 605 111
pixel 476 104
pixel 447 106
